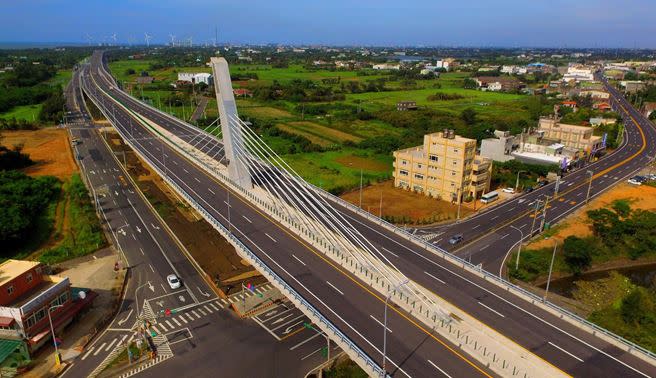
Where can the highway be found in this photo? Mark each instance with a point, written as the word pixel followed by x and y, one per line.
pixel 342 298
pixel 571 349
pixel 490 234
pixel 205 321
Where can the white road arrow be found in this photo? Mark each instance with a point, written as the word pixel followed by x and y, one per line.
pixel 521 200
pixel 92 172
pixel 291 327
pixel 116 193
pixel 273 312
pixel 120 322
pixel 280 320
pixel 155 227
pixel 160 303
pixel 202 292
pixel 138 229
pixel 181 298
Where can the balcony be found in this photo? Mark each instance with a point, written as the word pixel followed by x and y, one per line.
pixel 480 165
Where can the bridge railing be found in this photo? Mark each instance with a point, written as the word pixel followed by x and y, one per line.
pixel 325 323
pixel 532 297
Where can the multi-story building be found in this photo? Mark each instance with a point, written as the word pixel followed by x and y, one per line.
pixel 27 294
pixel 578 73
pixel 501 147
pixel 578 137
pixel 196 78
pixel 444 166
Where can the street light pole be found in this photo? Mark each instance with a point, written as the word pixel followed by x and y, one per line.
pixel 517 181
pixel 389 294
pixel 535 215
pixel 228 202
pixel 361 188
pixel 587 197
pixel 519 250
pixel 308 325
pixel 553 257
pixel 459 202
pixel 52 329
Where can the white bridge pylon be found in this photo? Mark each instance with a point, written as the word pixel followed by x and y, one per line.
pixel 233 142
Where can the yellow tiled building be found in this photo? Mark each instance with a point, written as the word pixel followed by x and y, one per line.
pixel 444 166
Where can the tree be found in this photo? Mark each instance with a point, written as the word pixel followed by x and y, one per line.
pixel 577 254
pixel 652 116
pixel 638 307
pixel 468 116
pixel 469 84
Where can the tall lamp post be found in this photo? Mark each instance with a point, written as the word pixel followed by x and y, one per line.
pixel 519 250
pixel 52 329
pixel 587 197
pixel 310 326
pixel 517 181
pixel 553 257
pixel 389 294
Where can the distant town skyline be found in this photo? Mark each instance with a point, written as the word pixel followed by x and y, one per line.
pixel 475 23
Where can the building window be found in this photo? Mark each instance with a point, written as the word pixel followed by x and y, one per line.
pixel 433 157
pixel 403 172
pixel 455 162
pixel 10 289
pixel 455 150
pixel 453 173
pixel 419 176
pixel 404 162
pixel 29 277
pixel 63 298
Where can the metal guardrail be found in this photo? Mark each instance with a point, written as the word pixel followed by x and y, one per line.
pixel 489 276
pixel 216 224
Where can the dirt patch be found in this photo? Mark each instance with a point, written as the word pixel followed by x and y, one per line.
pixel 641 197
pixel 358 162
pixel 49 148
pixel 403 206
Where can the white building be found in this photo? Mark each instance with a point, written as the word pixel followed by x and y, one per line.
pixel 195 77
pixel 387 66
pixel 579 73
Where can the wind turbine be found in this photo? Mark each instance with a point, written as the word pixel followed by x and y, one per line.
pixel 114 38
pixel 147 37
pixel 172 40
pixel 89 38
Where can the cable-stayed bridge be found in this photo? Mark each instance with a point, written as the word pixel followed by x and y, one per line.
pixel 348 270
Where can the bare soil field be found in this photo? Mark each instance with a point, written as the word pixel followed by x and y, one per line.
pixel 49 148
pixel 358 162
pixel 640 197
pixel 399 203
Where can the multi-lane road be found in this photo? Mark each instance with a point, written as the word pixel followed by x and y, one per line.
pixel 346 301
pixel 204 322
pixel 489 235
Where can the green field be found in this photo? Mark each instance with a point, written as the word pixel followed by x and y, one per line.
pixel 62 78
pixel 27 112
pixel 267 74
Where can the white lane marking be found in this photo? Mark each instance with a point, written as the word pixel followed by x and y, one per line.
pixel 522 226
pixel 247 220
pixel 91 350
pixel 564 351
pixel 493 310
pixel 142 252
pixel 494 217
pixel 485 246
pixel 169 324
pixel 195 314
pixel 163 288
pixel 156 329
pixel 390 252
pixel 435 278
pixel 163 327
pixel 151 268
pixel 333 286
pixel 299 260
pixel 229 205
pixel 185 169
pixel 197 180
pixel 381 323
pixel 176 322
pixel 208 309
pixel 110 345
pixel 511 209
pixel 191 318
pixel 214 307
pixel 504 236
pixel 475 227
pixel 211 191
pixel 175 162
pixel 99 348
pixel 438 368
pixel 310 355
pixel 306 340
pixel 269 236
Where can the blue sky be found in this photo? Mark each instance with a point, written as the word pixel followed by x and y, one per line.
pixel 551 23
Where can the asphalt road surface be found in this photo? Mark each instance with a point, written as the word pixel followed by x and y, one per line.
pixel 571 349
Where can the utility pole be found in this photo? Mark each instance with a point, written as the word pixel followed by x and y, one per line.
pixel 459 202
pixel 535 214
pixel 361 188
pixel 544 214
pixel 519 250
pixel 380 212
pixel 553 257
pixel 587 197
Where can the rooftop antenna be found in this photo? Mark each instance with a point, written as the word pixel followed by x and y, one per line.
pixel 172 40
pixel 147 37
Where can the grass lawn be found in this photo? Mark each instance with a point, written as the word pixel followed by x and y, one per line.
pixel 321 135
pixel 61 78
pixel 340 170
pixel 267 74
pixel 25 112
pixel 120 67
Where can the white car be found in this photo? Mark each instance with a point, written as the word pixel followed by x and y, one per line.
pixel 509 190
pixel 174 281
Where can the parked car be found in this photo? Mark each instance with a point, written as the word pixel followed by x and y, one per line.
pixel 637 180
pixel 528 190
pixel 542 183
pixel 174 281
pixel 455 239
pixel 651 176
pixel 508 190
